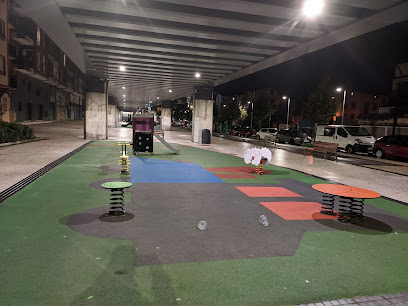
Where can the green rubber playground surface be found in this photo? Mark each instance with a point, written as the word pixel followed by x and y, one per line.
pixel 44 262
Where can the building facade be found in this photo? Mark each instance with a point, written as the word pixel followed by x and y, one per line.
pixel 43 83
pixel 360 106
pixel 399 95
pixel 6 112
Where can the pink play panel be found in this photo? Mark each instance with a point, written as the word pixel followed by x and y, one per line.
pixel 266 192
pixel 234 176
pixel 297 210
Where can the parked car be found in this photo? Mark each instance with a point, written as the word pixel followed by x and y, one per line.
pixel 234 131
pixel 293 137
pixel 396 146
pixel 350 138
pixel 247 132
pixel 267 131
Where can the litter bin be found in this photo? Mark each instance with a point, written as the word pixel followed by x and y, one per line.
pixel 206 136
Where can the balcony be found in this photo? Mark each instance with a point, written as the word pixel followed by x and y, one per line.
pixel 25 65
pixel 23 40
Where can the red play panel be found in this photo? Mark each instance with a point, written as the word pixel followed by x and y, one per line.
pixel 265 192
pixel 235 176
pixel 246 170
pixel 297 210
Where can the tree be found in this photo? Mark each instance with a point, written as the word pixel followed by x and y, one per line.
pixel 263 108
pixel 243 117
pixel 320 107
pixel 230 112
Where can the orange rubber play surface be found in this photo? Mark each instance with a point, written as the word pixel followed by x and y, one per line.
pixel 264 192
pixel 346 191
pixel 298 210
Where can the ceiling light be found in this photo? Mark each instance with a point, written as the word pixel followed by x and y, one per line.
pixel 123 87
pixel 284 97
pixel 124 96
pixel 122 68
pixel 158 98
pixel 339 89
pixel 312 8
pixel 170 90
pixel 197 75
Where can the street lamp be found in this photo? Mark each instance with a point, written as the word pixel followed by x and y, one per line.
pixel 313 8
pixel 339 89
pixel 252 111
pixel 287 118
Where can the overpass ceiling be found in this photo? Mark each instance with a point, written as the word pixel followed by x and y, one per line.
pixel 164 43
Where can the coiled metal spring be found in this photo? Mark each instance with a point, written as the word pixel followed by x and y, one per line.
pixel 344 209
pixel 328 202
pixel 117 202
pixel 356 208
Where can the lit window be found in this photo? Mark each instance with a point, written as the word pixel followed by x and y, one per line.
pixel 38 36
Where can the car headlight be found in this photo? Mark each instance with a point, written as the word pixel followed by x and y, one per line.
pixel 359 141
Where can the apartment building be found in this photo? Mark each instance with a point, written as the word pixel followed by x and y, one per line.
pixel 42 82
pixel 6 112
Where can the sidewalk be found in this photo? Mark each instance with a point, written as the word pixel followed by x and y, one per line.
pixel 19 161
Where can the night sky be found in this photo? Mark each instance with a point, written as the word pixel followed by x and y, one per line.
pixel 364 64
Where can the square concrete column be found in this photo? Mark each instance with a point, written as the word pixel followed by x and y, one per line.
pixel 112 116
pixel 154 113
pixel 96 110
pixel 166 118
pixel 202 112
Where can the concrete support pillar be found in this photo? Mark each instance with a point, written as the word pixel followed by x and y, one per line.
pixel 112 116
pixel 166 118
pixel 202 113
pixel 154 113
pixel 96 112
pixel 117 116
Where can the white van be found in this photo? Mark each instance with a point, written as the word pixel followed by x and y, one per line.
pixel 349 138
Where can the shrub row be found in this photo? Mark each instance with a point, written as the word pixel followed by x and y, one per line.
pixel 11 132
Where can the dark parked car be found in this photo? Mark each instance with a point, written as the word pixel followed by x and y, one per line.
pixel 234 131
pixel 396 146
pixel 247 132
pixel 292 137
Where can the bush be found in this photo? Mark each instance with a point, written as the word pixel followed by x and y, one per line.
pixel 11 132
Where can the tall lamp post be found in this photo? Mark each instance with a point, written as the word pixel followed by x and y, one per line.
pixel 287 118
pixel 339 89
pixel 252 111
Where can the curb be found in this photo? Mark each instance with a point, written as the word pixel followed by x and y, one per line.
pixel 6 144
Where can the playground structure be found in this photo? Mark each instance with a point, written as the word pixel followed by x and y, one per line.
pixel 143 132
pixel 124 161
pixel 117 200
pixel 259 158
